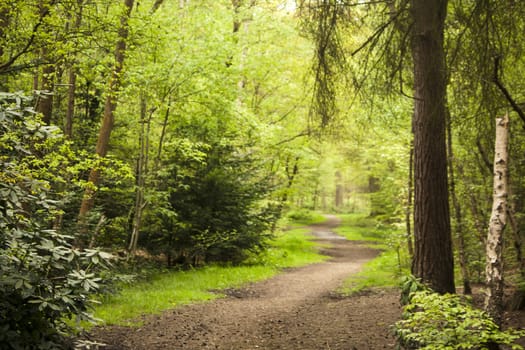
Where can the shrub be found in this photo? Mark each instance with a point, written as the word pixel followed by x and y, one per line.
pixel 434 321
pixel 213 208
pixel 44 281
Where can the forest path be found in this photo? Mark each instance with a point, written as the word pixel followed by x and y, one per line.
pixel 297 309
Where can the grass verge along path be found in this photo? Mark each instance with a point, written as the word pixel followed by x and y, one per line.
pixel 165 290
pixel 388 267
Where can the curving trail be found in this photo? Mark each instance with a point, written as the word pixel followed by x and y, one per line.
pixel 297 309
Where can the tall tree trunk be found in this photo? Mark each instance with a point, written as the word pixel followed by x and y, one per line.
pixel 70 112
pixel 284 198
pixel 239 22
pixel 72 79
pixel 498 221
pixel 408 211
pixel 45 101
pixel 5 19
pixel 140 202
pixel 108 118
pixel 459 227
pixel 162 135
pixel 433 259
pixel 339 189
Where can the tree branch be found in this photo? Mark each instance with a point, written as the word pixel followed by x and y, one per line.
pixel 504 90
pixel 4 66
pixel 301 134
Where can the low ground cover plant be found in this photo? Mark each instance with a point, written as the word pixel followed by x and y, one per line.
pixel 447 322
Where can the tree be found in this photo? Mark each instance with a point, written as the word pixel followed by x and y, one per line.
pixel 108 119
pixel 44 280
pixel 498 221
pixel 433 259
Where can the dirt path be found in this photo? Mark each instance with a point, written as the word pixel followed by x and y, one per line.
pixel 294 310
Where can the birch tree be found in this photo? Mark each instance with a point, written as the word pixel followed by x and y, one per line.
pixel 498 221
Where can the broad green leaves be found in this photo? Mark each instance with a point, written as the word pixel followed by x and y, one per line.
pixel 44 279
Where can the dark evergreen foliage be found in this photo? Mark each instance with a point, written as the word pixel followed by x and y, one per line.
pixel 214 209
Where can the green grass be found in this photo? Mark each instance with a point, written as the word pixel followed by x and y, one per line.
pixel 165 290
pixel 382 272
pixel 302 217
pixel 360 227
pixel 291 249
pixel 170 289
pixel 388 267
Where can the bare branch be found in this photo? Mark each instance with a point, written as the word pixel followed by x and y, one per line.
pixel 301 134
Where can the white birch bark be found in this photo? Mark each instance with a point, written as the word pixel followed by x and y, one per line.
pixel 498 221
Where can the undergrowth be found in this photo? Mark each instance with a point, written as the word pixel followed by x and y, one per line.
pixel 432 321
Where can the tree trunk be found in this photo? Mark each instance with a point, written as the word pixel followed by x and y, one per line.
pixel 5 19
pixel 408 211
pixel 72 85
pixel 284 198
pixel 45 101
pixel 459 227
pixel 339 189
pixel 72 79
pixel 108 119
pixel 433 259
pixel 239 22
pixel 162 135
pixel 497 223
pixel 140 202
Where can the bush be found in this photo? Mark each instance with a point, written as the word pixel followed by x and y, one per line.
pixel 434 321
pixel 44 281
pixel 213 208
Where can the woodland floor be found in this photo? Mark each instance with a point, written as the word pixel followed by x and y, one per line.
pixel 296 310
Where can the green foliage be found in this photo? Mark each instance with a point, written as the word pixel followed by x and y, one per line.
pixel 213 209
pixel 434 321
pixel 44 280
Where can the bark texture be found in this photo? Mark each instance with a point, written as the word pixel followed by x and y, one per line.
pixel 433 260
pixel 408 211
pixel 498 221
